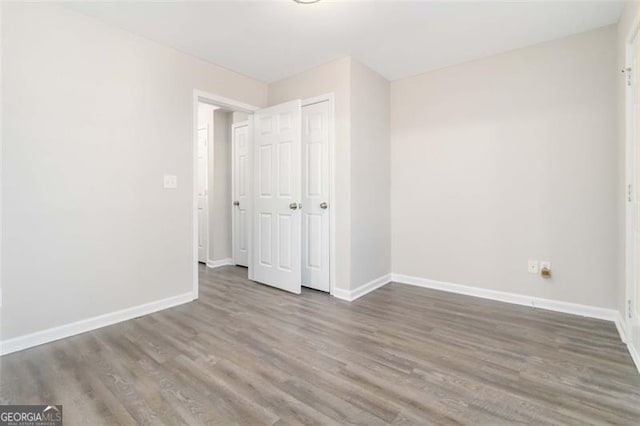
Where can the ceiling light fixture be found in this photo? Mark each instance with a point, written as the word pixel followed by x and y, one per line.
pixel 306 1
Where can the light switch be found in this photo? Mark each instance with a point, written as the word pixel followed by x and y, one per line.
pixel 170 181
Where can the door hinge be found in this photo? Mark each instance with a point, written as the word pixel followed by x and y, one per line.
pixel 629 307
pixel 628 74
pixel 629 192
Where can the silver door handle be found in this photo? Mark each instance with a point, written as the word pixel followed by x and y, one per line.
pixel 293 206
pixel 324 206
pixel 236 203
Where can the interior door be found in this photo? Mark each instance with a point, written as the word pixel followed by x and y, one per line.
pixel 240 179
pixel 634 293
pixel 203 222
pixel 276 258
pixel 315 196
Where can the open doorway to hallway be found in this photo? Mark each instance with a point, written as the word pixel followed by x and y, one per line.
pixel 262 192
pixel 215 219
pixel 222 186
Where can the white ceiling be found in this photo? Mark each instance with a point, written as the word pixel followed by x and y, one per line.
pixel 270 40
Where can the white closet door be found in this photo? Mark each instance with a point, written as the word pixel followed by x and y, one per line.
pixel 203 216
pixel 276 259
pixel 240 141
pixel 315 196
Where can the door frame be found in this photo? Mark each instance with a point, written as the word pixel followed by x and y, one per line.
pixel 631 192
pixel 330 98
pixel 219 101
pixel 233 186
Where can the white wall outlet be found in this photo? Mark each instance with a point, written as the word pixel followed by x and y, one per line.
pixel 170 181
pixel 532 266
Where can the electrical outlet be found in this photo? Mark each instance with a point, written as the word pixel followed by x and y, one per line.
pixel 170 181
pixel 533 266
pixel 545 269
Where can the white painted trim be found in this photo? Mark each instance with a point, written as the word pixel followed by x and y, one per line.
pixel 210 160
pixel 517 299
pixel 330 97
pixel 218 263
pixel 351 295
pixel 1 186
pixel 250 200
pixel 634 356
pixel 621 327
pixel 634 29
pixel 56 333
pixel 317 99
pixel 220 101
pixel 234 211
pixel 630 179
pixel 622 331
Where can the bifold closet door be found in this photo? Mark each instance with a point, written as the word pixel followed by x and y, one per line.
pixel 315 196
pixel 276 243
pixel 240 154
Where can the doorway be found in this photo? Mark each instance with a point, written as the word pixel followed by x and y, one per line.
pixel 260 158
pixel 216 233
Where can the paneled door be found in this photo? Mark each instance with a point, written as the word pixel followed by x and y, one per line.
pixel 203 196
pixel 315 196
pixel 240 141
pixel 276 244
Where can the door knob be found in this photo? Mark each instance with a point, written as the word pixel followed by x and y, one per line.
pixel 236 203
pixel 324 206
pixel 293 206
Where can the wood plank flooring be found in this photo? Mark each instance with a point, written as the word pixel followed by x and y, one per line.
pixel 247 354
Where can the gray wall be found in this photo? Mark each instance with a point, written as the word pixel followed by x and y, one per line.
pixel 508 158
pixel 492 162
pixel 239 116
pixel 370 176
pixel 362 163
pixel 93 117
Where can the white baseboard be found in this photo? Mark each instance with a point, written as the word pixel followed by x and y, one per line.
pixel 518 299
pixel 351 295
pixel 219 263
pixel 621 326
pixel 537 302
pixel 49 335
pixel 634 355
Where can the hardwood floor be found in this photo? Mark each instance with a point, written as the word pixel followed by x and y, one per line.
pixel 250 354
